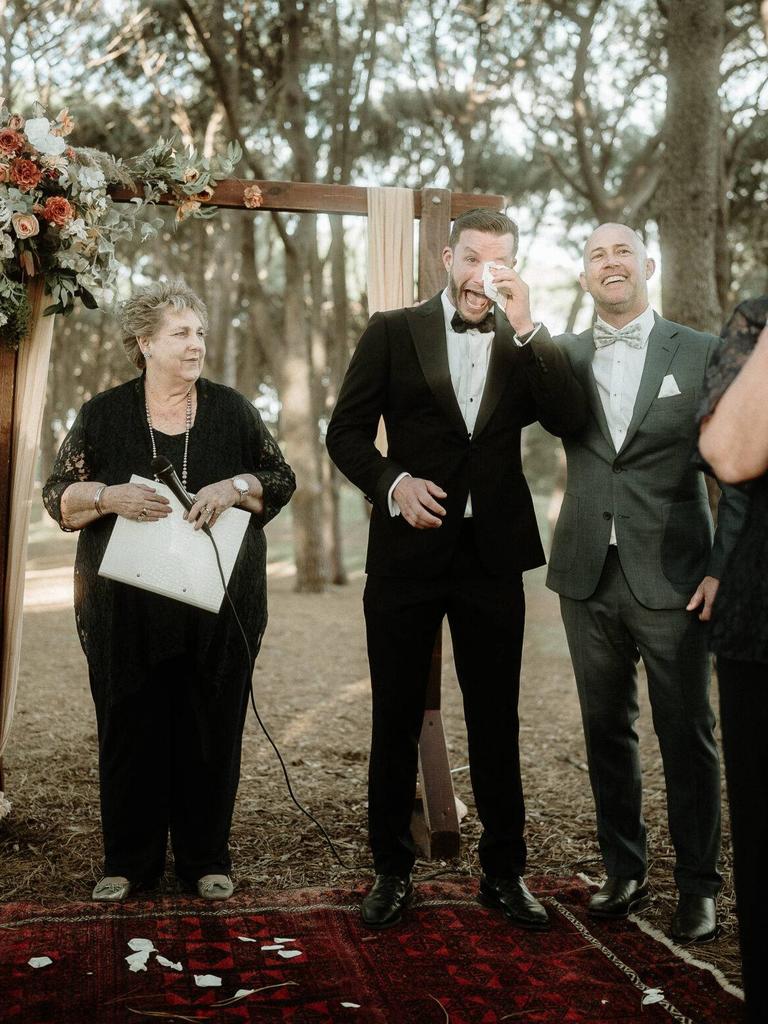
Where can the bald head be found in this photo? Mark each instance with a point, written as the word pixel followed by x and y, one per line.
pixel 616 273
pixel 608 233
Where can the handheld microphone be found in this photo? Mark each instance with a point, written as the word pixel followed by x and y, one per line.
pixel 164 471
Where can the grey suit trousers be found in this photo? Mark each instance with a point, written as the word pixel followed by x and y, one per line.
pixel 607 635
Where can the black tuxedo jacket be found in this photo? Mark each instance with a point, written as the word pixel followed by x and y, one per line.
pixel 400 371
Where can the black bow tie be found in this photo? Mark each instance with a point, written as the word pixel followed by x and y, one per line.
pixel 485 326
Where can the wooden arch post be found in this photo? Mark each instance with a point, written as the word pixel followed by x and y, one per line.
pixel 435 822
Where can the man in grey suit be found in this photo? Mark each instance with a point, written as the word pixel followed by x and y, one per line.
pixel 633 561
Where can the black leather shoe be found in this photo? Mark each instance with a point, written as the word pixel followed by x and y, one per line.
pixel 618 897
pixel 513 897
pixel 384 904
pixel 695 919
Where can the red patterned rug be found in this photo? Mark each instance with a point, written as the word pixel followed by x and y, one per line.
pixel 304 958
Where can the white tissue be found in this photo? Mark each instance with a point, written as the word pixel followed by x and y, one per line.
pixel 489 287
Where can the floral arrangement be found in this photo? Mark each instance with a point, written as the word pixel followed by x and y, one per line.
pixel 57 219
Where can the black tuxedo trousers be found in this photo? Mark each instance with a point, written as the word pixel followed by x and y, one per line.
pixel 486 617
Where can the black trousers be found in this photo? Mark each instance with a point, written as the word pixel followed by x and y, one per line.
pixel 169 761
pixel 744 722
pixel 486 617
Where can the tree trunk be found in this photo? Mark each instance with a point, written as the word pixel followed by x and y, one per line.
pixel 299 425
pixel 689 200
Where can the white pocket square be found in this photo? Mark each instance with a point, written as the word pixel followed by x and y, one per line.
pixel 668 387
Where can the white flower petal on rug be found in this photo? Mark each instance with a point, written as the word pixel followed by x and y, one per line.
pixel 208 981
pixel 653 995
pixel 243 992
pixel 288 954
pixel 137 944
pixel 245 938
pixel 39 961
pixel 270 949
pixel 165 962
pixel 138 961
pixel 282 940
pixel 351 1006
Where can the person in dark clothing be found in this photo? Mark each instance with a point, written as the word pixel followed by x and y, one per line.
pixel 452 530
pixel 170 682
pixel 734 441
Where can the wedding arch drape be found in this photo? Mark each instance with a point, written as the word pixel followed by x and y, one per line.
pixel 31 378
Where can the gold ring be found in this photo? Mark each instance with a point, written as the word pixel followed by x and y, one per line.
pixel 140 517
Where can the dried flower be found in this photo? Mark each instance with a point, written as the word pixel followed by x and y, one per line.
pixel 191 174
pixel 58 211
pixel 205 194
pixel 253 197
pixel 11 142
pixel 185 209
pixel 5 173
pixel 16 122
pixel 26 174
pixel 65 122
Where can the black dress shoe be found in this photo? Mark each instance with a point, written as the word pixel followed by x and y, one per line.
pixel 695 919
pixel 618 897
pixel 383 906
pixel 513 897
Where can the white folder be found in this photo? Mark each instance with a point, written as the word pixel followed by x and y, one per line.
pixel 171 558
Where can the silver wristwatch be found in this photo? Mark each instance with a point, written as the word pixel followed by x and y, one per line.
pixel 242 488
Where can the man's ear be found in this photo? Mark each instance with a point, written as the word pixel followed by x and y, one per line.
pixel 583 281
pixel 448 258
pixel 650 267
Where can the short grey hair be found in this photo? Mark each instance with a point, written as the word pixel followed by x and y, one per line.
pixel 141 315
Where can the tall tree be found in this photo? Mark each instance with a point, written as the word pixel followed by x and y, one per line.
pixel 689 200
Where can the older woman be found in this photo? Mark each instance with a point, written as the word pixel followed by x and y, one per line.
pixel 734 440
pixel 170 682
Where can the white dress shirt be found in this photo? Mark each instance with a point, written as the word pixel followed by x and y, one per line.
pixel 617 370
pixel 468 356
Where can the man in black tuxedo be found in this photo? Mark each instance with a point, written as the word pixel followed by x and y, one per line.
pixel 452 529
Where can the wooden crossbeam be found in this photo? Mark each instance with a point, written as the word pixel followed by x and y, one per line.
pixel 301 197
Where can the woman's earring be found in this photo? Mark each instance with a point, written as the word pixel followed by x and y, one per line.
pixel 148 354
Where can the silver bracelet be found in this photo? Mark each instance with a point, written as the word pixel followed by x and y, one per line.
pixel 97 499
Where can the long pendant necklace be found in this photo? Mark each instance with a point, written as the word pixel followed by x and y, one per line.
pixel 186 436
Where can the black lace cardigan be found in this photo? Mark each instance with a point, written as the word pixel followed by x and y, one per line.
pixel 125 632
pixel 739 627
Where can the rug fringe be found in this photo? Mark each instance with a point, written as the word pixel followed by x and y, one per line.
pixel 688 957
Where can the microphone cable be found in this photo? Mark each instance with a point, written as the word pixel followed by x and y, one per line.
pixel 264 729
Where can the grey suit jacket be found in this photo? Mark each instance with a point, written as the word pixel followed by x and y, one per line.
pixel 650 488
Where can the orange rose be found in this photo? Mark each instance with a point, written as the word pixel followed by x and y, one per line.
pixel 25 173
pixel 58 211
pixel 11 142
pixel 252 197
pixel 25 225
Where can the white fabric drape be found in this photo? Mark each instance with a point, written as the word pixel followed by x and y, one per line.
pixel 31 377
pixel 390 248
pixel 390 258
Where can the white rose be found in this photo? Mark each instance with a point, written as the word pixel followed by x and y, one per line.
pixel 6 246
pixel 38 131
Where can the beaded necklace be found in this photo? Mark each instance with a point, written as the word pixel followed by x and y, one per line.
pixel 186 436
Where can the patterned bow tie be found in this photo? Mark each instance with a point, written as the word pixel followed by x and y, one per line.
pixel 632 334
pixel 485 326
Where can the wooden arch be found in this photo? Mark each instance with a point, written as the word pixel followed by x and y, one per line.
pixel 435 822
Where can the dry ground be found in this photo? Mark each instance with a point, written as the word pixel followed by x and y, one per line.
pixel 312 690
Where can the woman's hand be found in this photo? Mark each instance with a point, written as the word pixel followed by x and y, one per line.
pixel 213 499
pixel 135 501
